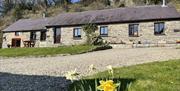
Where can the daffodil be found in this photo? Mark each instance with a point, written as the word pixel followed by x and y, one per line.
pixel 108 86
pixel 110 69
pixel 92 68
pixel 72 75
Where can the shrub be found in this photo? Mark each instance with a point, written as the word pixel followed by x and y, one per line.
pixel 97 40
pixel 103 47
pixel 90 29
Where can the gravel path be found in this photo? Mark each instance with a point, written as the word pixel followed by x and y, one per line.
pixel 57 66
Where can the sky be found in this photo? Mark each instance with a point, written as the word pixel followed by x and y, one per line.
pixel 75 0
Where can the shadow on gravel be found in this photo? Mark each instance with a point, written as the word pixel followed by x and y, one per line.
pixel 16 82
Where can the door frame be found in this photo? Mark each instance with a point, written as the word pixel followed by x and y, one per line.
pixel 57 35
pixel 14 42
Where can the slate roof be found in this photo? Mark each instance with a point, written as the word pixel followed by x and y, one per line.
pixel 28 25
pixel 118 15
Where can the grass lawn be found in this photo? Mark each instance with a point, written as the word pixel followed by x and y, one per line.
pixel 178 48
pixel 158 76
pixel 16 52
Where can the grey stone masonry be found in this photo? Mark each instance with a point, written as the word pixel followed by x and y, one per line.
pixel 117 34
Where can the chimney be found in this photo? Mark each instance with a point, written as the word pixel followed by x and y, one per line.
pixel 44 14
pixel 164 3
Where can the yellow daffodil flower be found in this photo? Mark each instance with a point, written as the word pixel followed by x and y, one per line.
pixel 92 68
pixel 108 86
pixel 110 69
pixel 72 75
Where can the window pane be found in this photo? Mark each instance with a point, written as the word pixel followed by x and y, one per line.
pixel 159 28
pixel 101 30
pixel 17 33
pixel 77 32
pixel 104 31
pixel 58 32
pixel 133 29
pixel 156 27
pixel 130 29
pixel 33 36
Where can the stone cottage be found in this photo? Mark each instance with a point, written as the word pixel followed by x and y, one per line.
pixel 130 25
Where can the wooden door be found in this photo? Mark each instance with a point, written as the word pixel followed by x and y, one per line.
pixel 16 42
pixel 57 35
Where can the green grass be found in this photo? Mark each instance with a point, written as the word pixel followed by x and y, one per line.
pixel 178 48
pixel 17 52
pixel 1 39
pixel 158 76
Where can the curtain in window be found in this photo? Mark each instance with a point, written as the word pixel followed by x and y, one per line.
pixel 133 29
pixel 77 32
pixel 159 28
pixel 17 33
pixel 136 30
pixel 156 27
pixel 103 30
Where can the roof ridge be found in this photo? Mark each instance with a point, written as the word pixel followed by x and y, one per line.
pixel 145 6
pixel 36 19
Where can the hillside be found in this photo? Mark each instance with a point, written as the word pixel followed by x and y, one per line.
pixel 76 7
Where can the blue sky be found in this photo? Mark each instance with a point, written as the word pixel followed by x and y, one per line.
pixel 75 0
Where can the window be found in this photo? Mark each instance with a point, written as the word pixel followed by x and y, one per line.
pixel 57 35
pixel 176 30
pixel 104 31
pixel 33 36
pixel 43 35
pixel 17 33
pixel 159 28
pixel 133 30
pixel 77 33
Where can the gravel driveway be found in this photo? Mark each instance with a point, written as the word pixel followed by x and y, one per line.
pixel 57 66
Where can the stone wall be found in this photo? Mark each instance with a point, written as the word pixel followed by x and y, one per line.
pixel 24 36
pixel 117 34
pixel 68 39
pixel 7 38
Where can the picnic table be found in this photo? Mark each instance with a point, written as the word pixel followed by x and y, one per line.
pixel 29 43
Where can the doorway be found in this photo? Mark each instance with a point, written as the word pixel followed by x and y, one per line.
pixel 57 35
pixel 16 42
